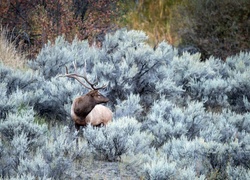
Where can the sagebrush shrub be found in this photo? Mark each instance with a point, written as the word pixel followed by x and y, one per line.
pixel 120 137
pixel 168 108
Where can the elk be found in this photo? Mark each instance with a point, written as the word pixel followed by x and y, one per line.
pixel 87 109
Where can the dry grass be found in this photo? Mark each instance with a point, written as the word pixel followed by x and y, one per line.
pixel 217 28
pixel 9 55
pixel 152 17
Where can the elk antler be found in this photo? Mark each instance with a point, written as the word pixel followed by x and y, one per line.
pixel 77 77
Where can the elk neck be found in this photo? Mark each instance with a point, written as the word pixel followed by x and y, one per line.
pixel 85 104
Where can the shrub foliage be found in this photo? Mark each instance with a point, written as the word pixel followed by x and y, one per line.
pixel 180 117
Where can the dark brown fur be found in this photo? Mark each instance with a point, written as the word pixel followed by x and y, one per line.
pixel 82 107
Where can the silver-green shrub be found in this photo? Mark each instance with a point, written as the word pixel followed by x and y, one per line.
pixel 20 136
pixel 188 119
pixel 118 138
pixel 54 159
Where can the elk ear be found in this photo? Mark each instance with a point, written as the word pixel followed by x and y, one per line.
pixel 93 93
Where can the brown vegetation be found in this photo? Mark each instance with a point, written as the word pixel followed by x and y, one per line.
pixel 9 55
pixel 152 17
pixel 35 22
pixel 218 28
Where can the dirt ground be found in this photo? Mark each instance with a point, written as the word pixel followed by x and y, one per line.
pixel 100 170
pixel 89 168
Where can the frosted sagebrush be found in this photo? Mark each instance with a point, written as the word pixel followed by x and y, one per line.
pixel 125 62
pixel 160 167
pixel 27 88
pixel 205 157
pixel 239 91
pixel 26 177
pixel 131 66
pixel 17 79
pixel 53 57
pixel 4 107
pixel 130 107
pixel 55 159
pixel 166 120
pixel 117 138
pixel 194 115
pixel 22 123
pixel 20 136
pixel 238 173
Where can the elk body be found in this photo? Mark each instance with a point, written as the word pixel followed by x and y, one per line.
pixel 87 109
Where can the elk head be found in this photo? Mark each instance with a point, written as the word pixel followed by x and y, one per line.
pixel 84 109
